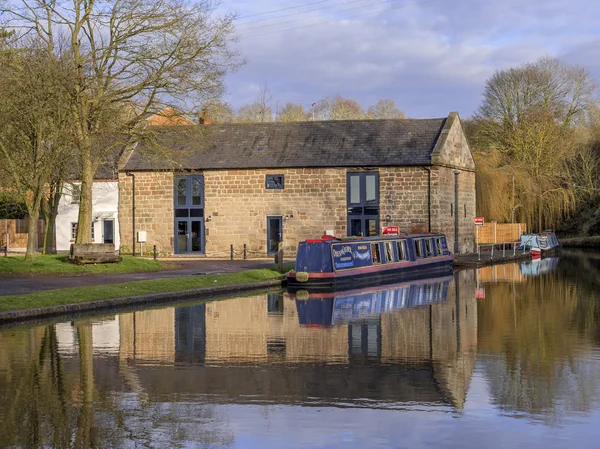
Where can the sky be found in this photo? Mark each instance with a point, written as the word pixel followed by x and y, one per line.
pixel 429 56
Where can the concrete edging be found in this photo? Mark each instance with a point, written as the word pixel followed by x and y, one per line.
pixel 38 312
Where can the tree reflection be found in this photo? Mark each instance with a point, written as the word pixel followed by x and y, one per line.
pixel 544 330
pixel 53 400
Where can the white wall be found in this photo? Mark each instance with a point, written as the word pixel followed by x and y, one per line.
pixel 105 205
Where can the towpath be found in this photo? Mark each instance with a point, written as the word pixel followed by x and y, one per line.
pixel 25 284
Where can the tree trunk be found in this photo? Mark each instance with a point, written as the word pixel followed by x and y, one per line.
pixel 34 215
pixel 84 224
pixel 50 211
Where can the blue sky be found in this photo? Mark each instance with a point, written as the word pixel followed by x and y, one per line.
pixel 430 56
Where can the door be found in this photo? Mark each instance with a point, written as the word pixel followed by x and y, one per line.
pixel 274 233
pixel 190 236
pixel 362 198
pixel 189 214
pixel 108 231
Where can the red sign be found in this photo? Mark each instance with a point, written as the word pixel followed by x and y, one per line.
pixel 480 293
pixel 478 221
pixel 391 230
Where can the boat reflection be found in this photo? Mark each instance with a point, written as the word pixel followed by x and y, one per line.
pixel 536 267
pixel 334 308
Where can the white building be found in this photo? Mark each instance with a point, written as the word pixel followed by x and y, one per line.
pixel 105 206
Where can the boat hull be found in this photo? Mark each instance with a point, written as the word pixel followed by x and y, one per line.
pixel 372 275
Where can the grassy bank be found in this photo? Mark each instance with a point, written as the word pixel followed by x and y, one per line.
pixel 581 242
pixel 59 264
pixel 95 293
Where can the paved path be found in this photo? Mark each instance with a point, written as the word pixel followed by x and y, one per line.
pixel 25 284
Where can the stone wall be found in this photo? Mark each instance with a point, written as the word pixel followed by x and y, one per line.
pixel 153 211
pixel 312 202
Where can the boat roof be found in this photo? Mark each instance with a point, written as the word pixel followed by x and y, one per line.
pixel 332 239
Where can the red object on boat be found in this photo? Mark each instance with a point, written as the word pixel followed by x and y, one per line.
pixel 536 253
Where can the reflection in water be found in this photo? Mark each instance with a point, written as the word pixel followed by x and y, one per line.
pixel 212 374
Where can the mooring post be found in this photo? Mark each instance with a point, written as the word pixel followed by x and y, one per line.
pixel 230 252
pixel 280 257
pixel 154 249
pixel 245 252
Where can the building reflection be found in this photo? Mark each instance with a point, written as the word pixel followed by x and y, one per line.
pixel 410 343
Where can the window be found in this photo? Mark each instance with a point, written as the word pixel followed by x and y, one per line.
pixel 418 249
pixel 274 182
pixel 389 252
pixel 75 192
pixel 375 254
pixel 401 247
pixel 440 246
pixel 74 227
pixel 429 247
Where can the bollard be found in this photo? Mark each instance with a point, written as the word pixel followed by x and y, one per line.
pixel 230 252
pixel 154 252
pixel 245 252
pixel 280 257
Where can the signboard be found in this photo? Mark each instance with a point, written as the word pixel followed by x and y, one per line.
pixel 391 230
pixel 478 221
pixel 351 255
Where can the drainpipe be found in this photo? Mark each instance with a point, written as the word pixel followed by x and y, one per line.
pixel 428 198
pixel 456 173
pixel 132 210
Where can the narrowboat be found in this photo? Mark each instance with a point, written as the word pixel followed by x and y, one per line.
pixel 539 244
pixel 340 263
pixel 339 307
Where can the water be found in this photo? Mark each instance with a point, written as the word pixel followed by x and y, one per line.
pixel 505 356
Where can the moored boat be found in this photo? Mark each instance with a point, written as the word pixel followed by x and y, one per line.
pixel 539 244
pixel 331 263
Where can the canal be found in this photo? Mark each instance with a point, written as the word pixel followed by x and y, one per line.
pixel 502 356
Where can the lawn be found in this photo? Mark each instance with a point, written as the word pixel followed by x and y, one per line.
pixel 100 292
pixel 58 264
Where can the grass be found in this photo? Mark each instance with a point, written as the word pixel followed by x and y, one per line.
pixel 86 294
pixel 58 264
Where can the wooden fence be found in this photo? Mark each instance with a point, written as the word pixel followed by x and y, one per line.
pixel 15 232
pixel 500 232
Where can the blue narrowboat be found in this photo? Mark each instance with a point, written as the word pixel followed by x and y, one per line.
pixel 341 263
pixel 539 244
pixel 339 307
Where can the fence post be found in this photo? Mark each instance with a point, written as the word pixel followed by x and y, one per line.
pixel 154 252
pixel 280 257
pixel 231 252
pixel 492 253
pixel 245 252
pixel 495 233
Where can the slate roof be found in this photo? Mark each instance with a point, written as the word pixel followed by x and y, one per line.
pixel 340 143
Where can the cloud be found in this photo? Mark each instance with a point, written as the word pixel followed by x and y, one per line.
pixel 430 57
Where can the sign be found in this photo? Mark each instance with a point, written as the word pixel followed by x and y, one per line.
pixel 391 230
pixel 478 221
pixel 351 255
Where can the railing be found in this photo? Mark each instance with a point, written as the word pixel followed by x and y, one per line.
pixel 497 247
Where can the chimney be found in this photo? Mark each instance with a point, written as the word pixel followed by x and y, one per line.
pixel 204 118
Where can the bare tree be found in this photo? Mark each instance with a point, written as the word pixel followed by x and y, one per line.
pixel 563 91
pixel 217 112
pixel 527 122
pixel 338 108
pixel 292 112
pixel 385 109
pixel 254 113
pixel 144 52
pixel 35 126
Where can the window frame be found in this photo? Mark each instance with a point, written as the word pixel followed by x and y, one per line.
pixel 272 184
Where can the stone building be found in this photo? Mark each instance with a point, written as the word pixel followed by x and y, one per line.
pixel 257 184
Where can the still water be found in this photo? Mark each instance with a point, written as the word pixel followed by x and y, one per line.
pixel 503 356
